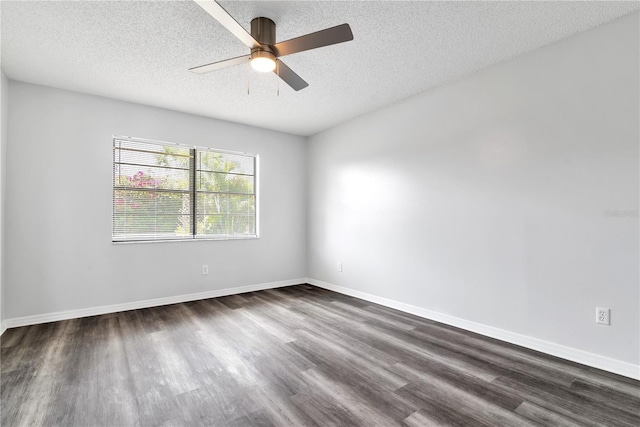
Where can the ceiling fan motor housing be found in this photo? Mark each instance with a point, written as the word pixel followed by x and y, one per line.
pixel 264 31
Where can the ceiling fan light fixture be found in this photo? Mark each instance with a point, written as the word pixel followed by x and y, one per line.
pixel 265 51
pixel 263 61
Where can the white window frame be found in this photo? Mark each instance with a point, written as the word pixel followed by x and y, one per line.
pixel 193 237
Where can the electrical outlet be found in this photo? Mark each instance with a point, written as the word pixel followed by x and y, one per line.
pixel 603 315
pixel 340 267
pixel 205 270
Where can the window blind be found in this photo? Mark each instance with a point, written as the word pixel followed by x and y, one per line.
pixel 170 192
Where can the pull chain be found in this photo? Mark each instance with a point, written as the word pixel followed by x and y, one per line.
pixel 248 78
pixel 278 74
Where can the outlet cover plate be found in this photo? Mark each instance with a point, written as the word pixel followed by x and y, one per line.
pixel 603 315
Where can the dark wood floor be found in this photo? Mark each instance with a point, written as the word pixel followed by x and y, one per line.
pixel 296 356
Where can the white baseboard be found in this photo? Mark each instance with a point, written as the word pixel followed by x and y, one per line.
pixel 590 359
pixel 94 311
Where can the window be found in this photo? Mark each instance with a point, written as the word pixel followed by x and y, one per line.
pixel 164 191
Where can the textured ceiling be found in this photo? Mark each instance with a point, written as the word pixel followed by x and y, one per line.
pixel 140 51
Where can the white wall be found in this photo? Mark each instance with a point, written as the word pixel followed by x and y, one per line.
pixel 4 100
pixel 487 199
pixel 58 217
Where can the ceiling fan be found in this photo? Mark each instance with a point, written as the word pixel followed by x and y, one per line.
pixel 265 52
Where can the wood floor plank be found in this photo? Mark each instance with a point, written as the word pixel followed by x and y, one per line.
pixel 461 407
pixel 323 410
pixel 388 341
pixel 378 397
pixel 505 360
pixel 425 371
pixel 294 356
pixel 210 406
pixel 618 400
pixel 268 325
pixel 586 411
pixel 346 397
pixel 374 316
pixel 155 402
pixel 13 336
pixel 544 416
pixel 332 333
pixel 95 387
pixel 324 351
pixel 429 418
pixel 280 408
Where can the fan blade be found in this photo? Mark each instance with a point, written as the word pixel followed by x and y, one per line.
pixel 333 35
pixel 223 17
pixel 289 76
pixel 220 64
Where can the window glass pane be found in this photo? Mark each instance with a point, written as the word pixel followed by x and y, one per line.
pixel 207 203
pixel 224 162
pixel 151 177
pixel 224 182
pixel 225 214
pixel 158 189
pixel 225 225
pixel 141 212
pixel 152 154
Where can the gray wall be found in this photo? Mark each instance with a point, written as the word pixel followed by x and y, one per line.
pixel 4 101
pixel 58 206
pixel 495 199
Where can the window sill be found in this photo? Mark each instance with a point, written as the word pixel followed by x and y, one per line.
pixel 200 239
